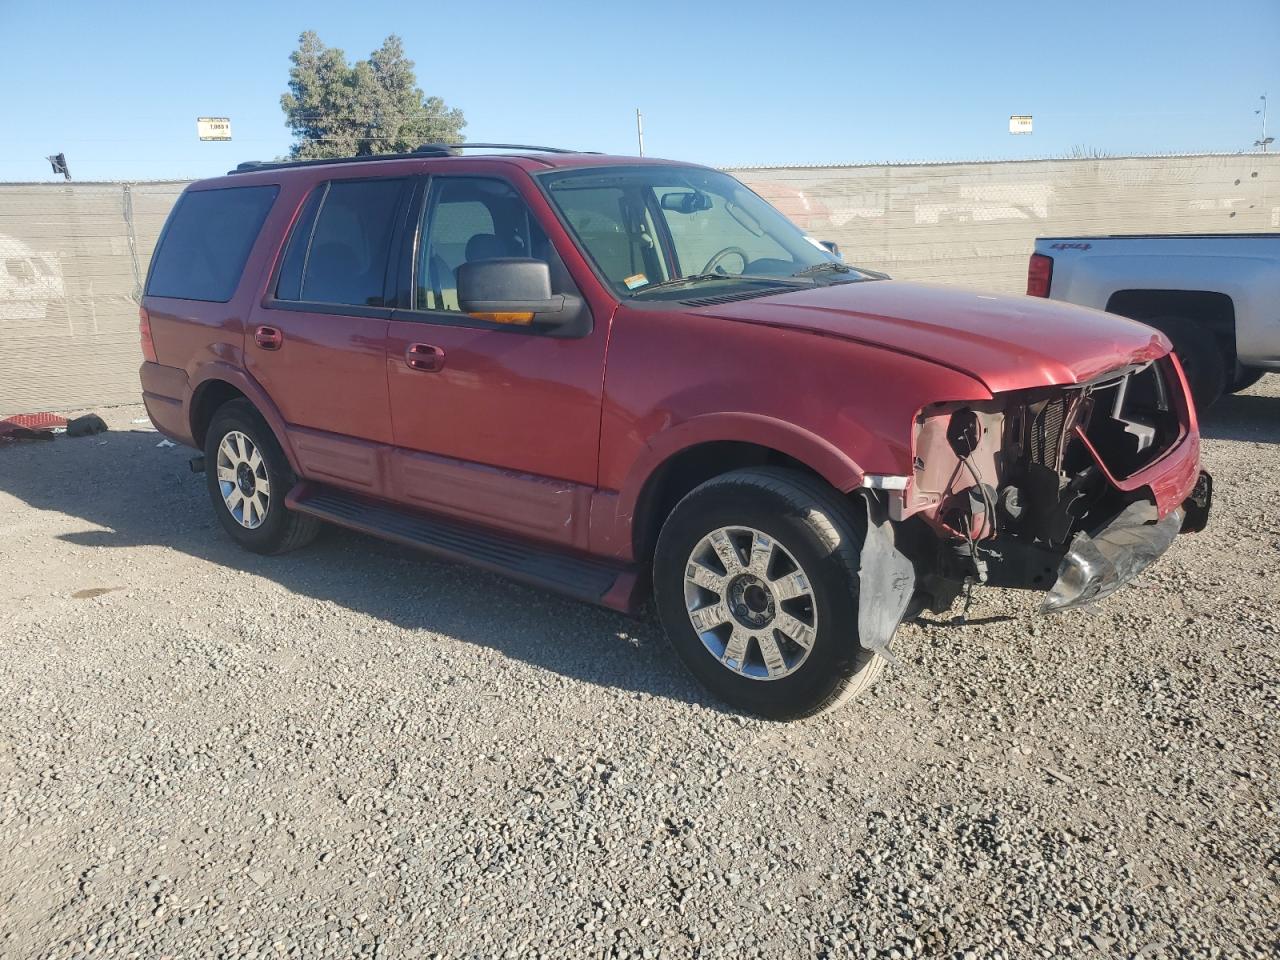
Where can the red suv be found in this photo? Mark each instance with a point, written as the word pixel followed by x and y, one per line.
pixel 602 374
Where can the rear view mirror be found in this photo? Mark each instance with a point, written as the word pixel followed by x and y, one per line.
pixel 515 290
pixel 831 246
pixel 686 201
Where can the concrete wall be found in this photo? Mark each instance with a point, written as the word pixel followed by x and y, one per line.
pixel 72 256
pixel 975 223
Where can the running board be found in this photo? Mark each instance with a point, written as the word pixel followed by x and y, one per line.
pixel 616 586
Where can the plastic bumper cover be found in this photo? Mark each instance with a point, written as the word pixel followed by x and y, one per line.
pixel 1098 564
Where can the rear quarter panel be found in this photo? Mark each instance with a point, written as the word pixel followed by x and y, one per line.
pixel 205 339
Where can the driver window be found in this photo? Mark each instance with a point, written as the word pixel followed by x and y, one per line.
pixel 617 228
pixel 475 218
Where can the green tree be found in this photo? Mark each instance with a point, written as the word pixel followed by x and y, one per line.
pixel 336 109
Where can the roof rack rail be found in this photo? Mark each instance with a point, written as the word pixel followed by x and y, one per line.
pixel 426 150
pixel 451 149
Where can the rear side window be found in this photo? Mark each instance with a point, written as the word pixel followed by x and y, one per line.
pixel 340 246
pixel 207 241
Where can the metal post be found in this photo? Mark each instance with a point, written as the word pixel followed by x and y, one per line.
pixel 640 131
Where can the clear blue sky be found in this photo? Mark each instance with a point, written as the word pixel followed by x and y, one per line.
pixel 117 86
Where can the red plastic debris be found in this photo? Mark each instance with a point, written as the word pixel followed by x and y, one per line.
pixel 31 421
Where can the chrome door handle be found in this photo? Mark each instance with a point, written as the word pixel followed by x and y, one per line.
pixel 423 356
pixel 268 338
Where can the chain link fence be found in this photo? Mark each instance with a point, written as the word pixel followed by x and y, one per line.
pixel 72 256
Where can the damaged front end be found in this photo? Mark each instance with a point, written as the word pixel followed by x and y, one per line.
pixel 1073 490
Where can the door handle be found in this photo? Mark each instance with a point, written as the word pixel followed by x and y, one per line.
pixel 268 338
pixel 423 356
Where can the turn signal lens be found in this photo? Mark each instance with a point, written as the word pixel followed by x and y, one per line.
pixel 520 319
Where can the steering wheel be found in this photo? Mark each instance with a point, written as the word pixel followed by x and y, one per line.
pixel 714 262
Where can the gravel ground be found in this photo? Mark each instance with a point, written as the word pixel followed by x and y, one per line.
pixel 357 751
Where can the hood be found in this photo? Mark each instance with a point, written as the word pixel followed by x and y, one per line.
pixel 1006 342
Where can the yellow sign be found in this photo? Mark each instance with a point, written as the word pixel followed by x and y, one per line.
pixel 214 128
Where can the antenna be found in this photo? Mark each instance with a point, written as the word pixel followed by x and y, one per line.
pixel 640 131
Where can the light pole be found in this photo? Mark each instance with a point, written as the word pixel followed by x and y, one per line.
pixel 640 131
pixel 1264 141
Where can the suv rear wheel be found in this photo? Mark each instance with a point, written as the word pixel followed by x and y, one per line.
pixel 756 582
pixel 248 476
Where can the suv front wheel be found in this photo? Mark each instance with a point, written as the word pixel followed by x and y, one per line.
pixel 756 582
pixel 248 477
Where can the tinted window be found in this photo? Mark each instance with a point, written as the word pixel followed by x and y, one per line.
pixel 207 241
pixel 289 284
pixel 346 261
pixel 474 218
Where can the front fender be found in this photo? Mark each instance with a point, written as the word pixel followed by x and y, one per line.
pixel 613 515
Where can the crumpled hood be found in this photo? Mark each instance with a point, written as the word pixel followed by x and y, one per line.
pixel 1006 342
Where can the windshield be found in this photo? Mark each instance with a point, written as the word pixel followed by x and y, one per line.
pixel 675 228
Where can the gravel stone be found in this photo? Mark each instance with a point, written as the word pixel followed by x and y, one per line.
pixel 356 751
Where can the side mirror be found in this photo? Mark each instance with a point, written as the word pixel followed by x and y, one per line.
pixel 831 246
pixel 512 291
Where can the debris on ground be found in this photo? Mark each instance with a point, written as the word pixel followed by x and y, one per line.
pixel 86 426
pixel 31 426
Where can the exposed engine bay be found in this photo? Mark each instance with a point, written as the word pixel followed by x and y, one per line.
pixel 1043 489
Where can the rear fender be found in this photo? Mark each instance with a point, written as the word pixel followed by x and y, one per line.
pixel 227 373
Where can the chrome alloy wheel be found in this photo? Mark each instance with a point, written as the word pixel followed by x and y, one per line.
pixel 242 478
pixel 751 603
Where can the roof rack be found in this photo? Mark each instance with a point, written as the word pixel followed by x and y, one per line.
pixel 426 150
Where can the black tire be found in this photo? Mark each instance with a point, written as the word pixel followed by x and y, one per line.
pixel 817 528
pixel 279 530
pixel 1201 357
pixel 1246 379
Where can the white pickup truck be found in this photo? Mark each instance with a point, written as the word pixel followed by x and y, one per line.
pixel 1216 296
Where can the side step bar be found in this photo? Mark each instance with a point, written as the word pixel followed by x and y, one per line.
pixel 616 586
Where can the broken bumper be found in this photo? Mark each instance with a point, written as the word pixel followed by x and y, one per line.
pixel 1098 564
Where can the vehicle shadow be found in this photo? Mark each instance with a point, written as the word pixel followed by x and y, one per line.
pixel 140 494
pixel 1250 417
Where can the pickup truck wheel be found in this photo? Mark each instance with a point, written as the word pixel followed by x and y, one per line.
pixel 248 476
pixel 1246 379
pixel 1202 359
pixel 756 584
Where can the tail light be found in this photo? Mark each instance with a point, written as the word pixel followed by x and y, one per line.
pixel 1039 275
pixel 144 332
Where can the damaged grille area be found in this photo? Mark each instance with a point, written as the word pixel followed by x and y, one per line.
pixel 1129 419
pixel 1023 483
pixel 1077 437
pixel 1047 430
pixel 1045 464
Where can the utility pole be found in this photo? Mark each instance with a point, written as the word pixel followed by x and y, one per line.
pixel 640 131
pixel 1264 141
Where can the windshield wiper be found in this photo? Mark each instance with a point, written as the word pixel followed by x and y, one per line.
pixel 826 266
pixel 699 277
